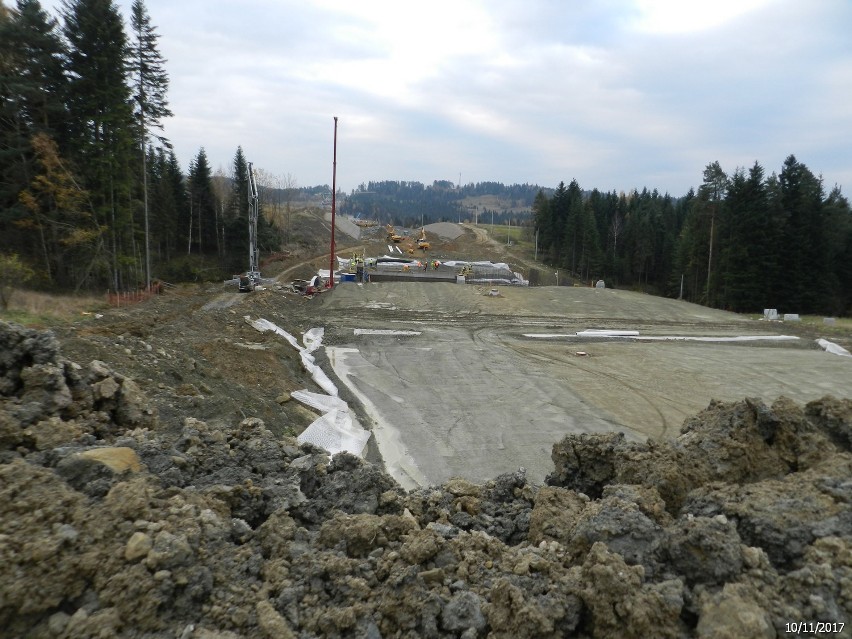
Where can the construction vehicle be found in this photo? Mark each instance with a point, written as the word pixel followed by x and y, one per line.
pixel 364 223
pixel 251 278
pixel 246 283
pixel 422 242
pixel 392 235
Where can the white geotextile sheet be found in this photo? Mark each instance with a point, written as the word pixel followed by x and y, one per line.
pixel 318 401
pixel 833 348
pixel 264 325
pixel 336 432
pixel 384 331
pixel 313 338
pixel 318 375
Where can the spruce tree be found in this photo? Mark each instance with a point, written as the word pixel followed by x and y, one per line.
pixel 573 228
pixel 543 222
pixel 838 218
pixel 101 118
pixel 201 225
pixel 750 252
pixel 236 223
pixel 804 244
pixel 560 204
pixel 31 102
pixel 150 85
pixel 711 195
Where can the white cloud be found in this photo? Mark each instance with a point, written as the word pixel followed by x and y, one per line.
pixel 679 16
pixel 617 93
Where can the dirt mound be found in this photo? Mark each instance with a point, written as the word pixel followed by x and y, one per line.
pixel 111 525
pixel 445 230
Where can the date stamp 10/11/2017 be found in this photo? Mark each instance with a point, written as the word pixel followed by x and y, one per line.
pixel 813 627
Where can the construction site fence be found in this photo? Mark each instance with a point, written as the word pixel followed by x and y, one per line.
pixel 128 298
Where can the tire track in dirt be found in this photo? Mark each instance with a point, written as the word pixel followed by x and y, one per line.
pixel 554 358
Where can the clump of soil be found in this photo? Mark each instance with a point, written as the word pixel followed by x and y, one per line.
pixel 114 522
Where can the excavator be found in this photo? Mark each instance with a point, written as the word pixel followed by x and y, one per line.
pixel 392 236
pixel 422 243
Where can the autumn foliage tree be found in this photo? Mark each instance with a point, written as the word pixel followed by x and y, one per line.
pixel 61 216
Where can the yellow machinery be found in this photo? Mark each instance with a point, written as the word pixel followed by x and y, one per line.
pixel 422 243
pixel 392 236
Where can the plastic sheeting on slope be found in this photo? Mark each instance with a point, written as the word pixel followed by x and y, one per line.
pixel 308 361
pixel 318 401
pixel 834 349
pixel 335 430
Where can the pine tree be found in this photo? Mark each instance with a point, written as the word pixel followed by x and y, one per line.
pixel 590 259
pixel 236 224
pixel 750 252
pixel 559 207
pixel 31 102
pixel 33 80
pixel 201 220
pixel 711 195
pixel 151 83
pixel 573 227
pixel 804 243
pixel 101 118
pixel 838 218
pixel 543 222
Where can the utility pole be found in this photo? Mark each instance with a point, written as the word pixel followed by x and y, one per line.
pixel 333 206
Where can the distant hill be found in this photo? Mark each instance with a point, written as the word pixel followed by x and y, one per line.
pixel 410 204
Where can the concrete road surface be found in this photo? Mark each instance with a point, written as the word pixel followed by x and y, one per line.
pixel 481 384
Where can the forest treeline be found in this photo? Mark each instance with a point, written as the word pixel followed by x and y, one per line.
pixel 743 242
pixel 409 203
pixel 91 193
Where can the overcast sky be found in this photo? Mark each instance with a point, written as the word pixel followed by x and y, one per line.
pixel 619 94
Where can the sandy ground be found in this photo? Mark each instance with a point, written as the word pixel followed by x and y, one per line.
pixel 491 382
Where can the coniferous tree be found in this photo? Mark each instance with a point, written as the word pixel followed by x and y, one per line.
pixel 236 225
pixel 150 84
pixel 101 119
pixel 559 210
pixel 589 259
pixel 750 253
pixel 175 184
pixel 543 222
pixel 804 285
pixel 32 87
pixel 838 217
pixel 573 227
pixel 711 195
pixel 692 249
pixel 201 223
pixel 164 204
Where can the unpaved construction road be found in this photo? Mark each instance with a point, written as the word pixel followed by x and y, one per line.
pixel 487 385
pixel 491 382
